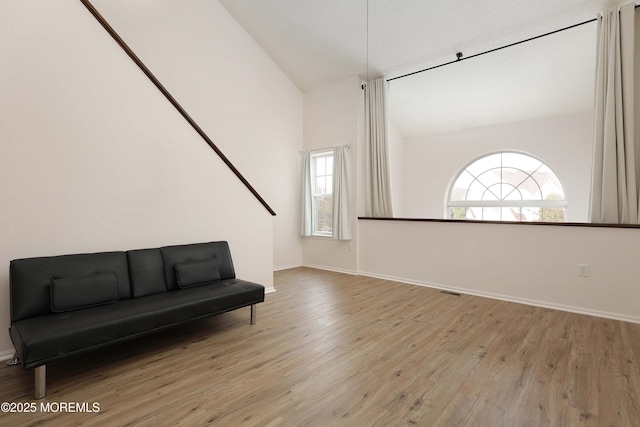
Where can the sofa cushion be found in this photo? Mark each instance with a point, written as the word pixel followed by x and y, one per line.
pixel 196 273
pixel 71 293
pixel 30 282
pixel 200 301
pixel 146 272
pixel 54 336
pixel 171 255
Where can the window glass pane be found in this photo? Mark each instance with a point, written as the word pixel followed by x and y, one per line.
pixel 489 178
pixel 485 163
pixel 521 161
pixel 553 215
pixel 329 168
pixel 458 213
pixel 549 183
pixel 320 185
pixel 492 192
pixel 476 191
pixel 513 176
pixel 474 213
pixel 510 192
pixel 459 190
pixel 510 214
pixel 491 214
pixel 530 189
pixel 531 214
pixel 329 184
pixel 320 166
pixel 324 214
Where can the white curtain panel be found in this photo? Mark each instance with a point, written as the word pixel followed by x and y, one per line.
pixel 341 211
pixel 614 186
pixel 377 181
pixel 306 197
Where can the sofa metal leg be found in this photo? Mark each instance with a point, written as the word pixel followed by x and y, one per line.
pixel 41 381
pixel 253 314
pixel 15 360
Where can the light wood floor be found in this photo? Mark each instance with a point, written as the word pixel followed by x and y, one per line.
pixel 331 349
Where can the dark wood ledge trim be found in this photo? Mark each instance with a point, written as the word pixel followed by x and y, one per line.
pixel 173 101
pixel 467 221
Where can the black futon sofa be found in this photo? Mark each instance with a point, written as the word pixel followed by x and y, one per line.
pixel 64 305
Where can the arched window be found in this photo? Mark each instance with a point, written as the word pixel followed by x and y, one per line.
pixel 507 186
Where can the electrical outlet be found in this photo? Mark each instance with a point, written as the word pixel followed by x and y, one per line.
pixel 583 270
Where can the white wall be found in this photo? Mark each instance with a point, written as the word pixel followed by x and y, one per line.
pixel 92 158
pixel 563 142
pixel 232 89
pixel 533 264
pixel 332 116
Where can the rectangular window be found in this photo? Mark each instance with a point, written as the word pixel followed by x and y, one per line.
pixel 322 188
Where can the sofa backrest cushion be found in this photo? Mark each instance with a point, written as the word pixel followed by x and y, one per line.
pixel 146 272
pixel 72 293
pixel 197 273
pixel 171 255
pixel 31 278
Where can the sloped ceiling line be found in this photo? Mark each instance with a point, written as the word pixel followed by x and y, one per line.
pixel 173 102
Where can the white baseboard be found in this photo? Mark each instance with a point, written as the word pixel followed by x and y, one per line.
pixel 6 355
pixel 286 267
pixel 526 301
pixel 501 297
pixel 335 270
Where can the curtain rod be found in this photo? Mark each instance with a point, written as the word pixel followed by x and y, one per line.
pixel 326 148
pixel 460 58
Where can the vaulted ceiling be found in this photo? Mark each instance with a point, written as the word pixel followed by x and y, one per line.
pixel 318 42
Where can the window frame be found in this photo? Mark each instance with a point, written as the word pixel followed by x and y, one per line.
pixel 315 155
pixel 504 203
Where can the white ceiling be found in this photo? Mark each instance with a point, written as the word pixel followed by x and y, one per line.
pixel 547 77
pixel 318 42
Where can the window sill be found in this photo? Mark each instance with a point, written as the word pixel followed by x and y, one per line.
pixel 318 237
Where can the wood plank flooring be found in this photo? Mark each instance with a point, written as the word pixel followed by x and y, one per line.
pixel 331 349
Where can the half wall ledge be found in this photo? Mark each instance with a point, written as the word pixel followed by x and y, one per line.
pixel 471 221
